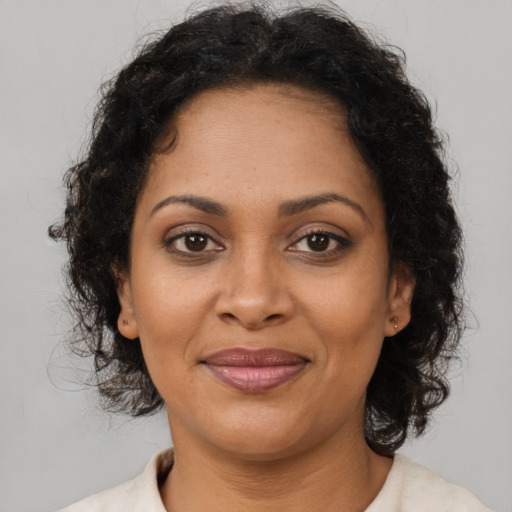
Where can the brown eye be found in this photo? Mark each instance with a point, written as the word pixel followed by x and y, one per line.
pixel 193 243
pixel 196 242
pixel 322 243
pixel 318 242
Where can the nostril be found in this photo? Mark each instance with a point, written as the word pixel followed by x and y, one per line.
pixel 253 309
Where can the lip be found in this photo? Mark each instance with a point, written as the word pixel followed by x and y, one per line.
pixel 255 370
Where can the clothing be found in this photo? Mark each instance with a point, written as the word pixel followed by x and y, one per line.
pixel 409 487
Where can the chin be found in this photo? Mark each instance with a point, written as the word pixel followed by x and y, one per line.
pixel 261 449
pixel 258 436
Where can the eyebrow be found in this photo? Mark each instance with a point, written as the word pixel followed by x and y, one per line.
pixel 297 206
pixel 200 203
pixel 286 209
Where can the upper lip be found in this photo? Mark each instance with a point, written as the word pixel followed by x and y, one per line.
pixel 239 356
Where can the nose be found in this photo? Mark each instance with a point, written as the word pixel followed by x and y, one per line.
pixel 254 293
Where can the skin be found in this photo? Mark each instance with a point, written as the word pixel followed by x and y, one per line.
pixel 257 283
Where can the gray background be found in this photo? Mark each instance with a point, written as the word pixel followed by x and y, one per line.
pixel 56 446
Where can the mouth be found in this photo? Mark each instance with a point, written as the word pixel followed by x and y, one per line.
pixel 255 370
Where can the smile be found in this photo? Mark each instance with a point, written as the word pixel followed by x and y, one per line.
pixel 255 370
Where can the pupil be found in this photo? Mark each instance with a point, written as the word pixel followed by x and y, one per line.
pixel 195 242
pixel 318 242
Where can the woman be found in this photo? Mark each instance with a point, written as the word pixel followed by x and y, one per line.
pixel 262 238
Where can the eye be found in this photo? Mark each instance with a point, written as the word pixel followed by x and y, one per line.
pixel 192 242
pixel 320 242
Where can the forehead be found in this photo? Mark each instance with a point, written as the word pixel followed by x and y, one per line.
pixel 270 94
pixel 273 139
pixel 255 107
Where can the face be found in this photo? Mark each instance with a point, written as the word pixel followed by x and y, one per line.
pixel 259 283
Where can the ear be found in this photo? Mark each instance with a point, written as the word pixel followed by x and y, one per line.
pixel 400 292
pixel 126 322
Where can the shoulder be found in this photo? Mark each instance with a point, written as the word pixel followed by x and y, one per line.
pixel 139 494
pixel 415 488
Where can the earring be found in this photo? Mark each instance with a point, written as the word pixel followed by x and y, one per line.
pixel 395 322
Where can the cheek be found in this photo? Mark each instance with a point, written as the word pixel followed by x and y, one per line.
pixel 352 304
pixel 350 316
pixel 169 311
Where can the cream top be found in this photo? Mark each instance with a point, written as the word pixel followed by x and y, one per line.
pixel 409 487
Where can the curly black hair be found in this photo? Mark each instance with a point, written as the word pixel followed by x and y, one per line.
pixel 391 122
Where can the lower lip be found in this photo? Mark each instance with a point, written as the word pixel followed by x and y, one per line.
pixel 255 379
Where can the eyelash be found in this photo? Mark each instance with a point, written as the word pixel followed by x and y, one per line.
pixel 342 242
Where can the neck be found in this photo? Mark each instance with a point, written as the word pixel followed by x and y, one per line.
pixel 338 474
